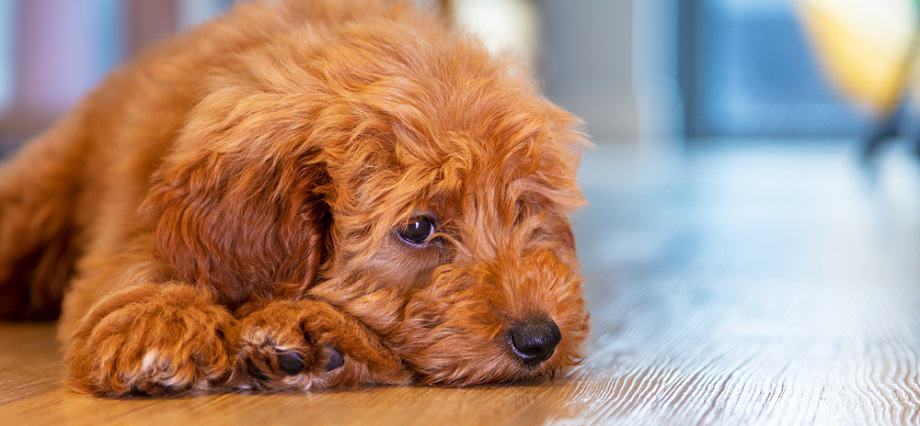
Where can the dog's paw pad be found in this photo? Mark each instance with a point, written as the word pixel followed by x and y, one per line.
pixel 334 358
pixel 291 362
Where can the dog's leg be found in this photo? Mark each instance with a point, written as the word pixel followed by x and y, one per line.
pixel 307 344
pixel 38 191
pixel 153 339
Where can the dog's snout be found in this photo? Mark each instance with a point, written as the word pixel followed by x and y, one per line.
pixel 534 341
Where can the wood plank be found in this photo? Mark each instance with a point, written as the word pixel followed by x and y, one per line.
pixel 738 284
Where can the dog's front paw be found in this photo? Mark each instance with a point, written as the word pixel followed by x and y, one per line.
pixel 168 340
pixel 308 345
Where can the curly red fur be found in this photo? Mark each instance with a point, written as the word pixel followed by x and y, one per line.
pixel 222 211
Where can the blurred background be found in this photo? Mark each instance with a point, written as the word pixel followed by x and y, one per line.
pixel 647 73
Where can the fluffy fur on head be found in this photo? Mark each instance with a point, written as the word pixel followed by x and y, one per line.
pixel 273 157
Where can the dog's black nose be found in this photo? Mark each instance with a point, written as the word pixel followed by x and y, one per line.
pixel 535 340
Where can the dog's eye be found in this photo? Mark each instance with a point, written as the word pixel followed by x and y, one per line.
pixel 417 231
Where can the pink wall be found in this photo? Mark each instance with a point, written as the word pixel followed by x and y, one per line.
pixel 63 48
pixel 54 55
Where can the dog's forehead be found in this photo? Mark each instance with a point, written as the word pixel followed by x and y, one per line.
pixel 459 161
pixel 501 144
pixel 474 135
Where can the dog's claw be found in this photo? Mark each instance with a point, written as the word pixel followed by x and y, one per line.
pixel 335 360
pixel 291 362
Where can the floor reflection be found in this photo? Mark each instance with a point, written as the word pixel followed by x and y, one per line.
pixel 752 282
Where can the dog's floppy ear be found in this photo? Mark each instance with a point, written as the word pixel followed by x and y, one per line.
pixel 238 206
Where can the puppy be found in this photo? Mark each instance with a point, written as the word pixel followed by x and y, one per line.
pixel 302 195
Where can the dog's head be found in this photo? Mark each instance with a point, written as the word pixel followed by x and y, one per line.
pixel 399 173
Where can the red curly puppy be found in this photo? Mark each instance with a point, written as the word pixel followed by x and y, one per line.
pixel 300 195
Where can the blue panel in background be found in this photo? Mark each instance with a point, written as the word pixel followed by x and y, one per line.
pixel 108 35
pixel 756 76
pixel 194 12
pixel 7 50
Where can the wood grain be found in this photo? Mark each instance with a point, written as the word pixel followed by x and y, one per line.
pixel 739 284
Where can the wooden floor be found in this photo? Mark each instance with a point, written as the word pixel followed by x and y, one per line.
pixel 743 283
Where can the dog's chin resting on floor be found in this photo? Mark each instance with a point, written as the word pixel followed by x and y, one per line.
pixel 302 195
